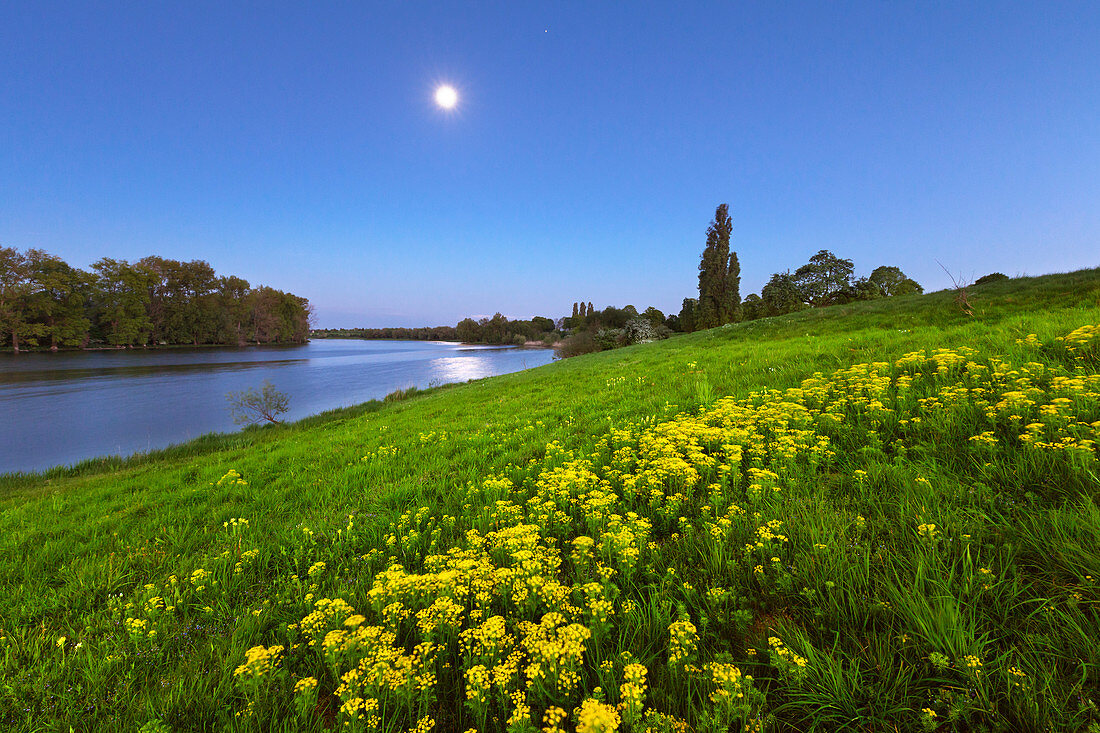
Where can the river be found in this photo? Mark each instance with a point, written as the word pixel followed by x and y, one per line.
pixel 59 409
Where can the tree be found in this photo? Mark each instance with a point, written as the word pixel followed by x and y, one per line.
pixel 15 292
pixel 122 298
pixel 468 331
pixel 719 275
pixel 654 316
pixel 822 277
pixel 687 314
pixel 752 307
pixel 57 300
pixel 781 295
pixel 250 406
pixel 891 281
pixel 232 298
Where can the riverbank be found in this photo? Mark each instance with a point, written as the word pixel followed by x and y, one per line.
pixel 870 545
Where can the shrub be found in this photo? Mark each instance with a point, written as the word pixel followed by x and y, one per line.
pixel 577 344
pixel 250 406
pixel 991 278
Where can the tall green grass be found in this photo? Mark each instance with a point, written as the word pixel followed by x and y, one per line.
pixel 866 613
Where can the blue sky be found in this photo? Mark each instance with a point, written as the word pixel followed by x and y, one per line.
pixel 297 144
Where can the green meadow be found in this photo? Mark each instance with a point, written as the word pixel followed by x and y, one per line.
pixel 880 516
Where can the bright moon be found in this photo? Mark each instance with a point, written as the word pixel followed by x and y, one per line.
pixel 446 96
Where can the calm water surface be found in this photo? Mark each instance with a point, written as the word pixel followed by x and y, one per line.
pixel 58 409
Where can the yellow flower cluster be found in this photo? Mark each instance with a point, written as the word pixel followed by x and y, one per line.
pixel 232 477
pixel 683 641
pixel 927 531
pixel 632 693
pixel 596 717
pixel 786 660
pixel 259 661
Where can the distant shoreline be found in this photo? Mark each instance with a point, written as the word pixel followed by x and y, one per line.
pixel 147 347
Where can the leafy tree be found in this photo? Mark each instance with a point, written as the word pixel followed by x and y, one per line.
pixel 468 331
pixel 122 298
pixel 15 291
pixel 654 316
pixel 232 299
pixel 823 277
pixel 542 324
pixel 752 307
pixel 719 275
pixel 687 314
pixel 781 295
pixel 891 281
pixel 57 303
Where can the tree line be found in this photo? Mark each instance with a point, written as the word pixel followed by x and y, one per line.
pixel 496 330
pixel 47 303
pixel 825 280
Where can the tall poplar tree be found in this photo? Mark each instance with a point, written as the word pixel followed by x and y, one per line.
pixel 719 275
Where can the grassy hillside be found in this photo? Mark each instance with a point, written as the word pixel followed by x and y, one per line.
pixel 877 516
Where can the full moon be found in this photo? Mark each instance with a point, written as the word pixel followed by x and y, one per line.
pixel 446 96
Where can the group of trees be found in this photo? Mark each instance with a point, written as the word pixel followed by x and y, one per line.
pixel 45 302
pixel 495 330
pixel 598 330
pixel 825 280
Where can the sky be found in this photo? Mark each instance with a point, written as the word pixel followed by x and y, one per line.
pixel 298 145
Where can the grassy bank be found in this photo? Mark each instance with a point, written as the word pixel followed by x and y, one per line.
pixel 880 538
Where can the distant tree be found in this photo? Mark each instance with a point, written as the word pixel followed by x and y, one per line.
pixel 687 314
pixel 57 301
pixel 263 314
pixel 576 310
pixel 781 295
pixel 542 324
pixel 752 307
pixel 252 406
pixel 122 299
pixel 468 331
pixel 654 316
pixel 822 277
pixel 891 281
pixel 232 299
pixel 719 275
pixel 672 323
pixel 591 308
pixel 991 278
pixel 15 291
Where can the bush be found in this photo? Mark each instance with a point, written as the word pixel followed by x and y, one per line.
pixel 991 278
pixel 639 330
pixel 250 406
pixel 577 344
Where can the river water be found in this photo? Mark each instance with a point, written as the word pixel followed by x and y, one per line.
pixel 59 409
